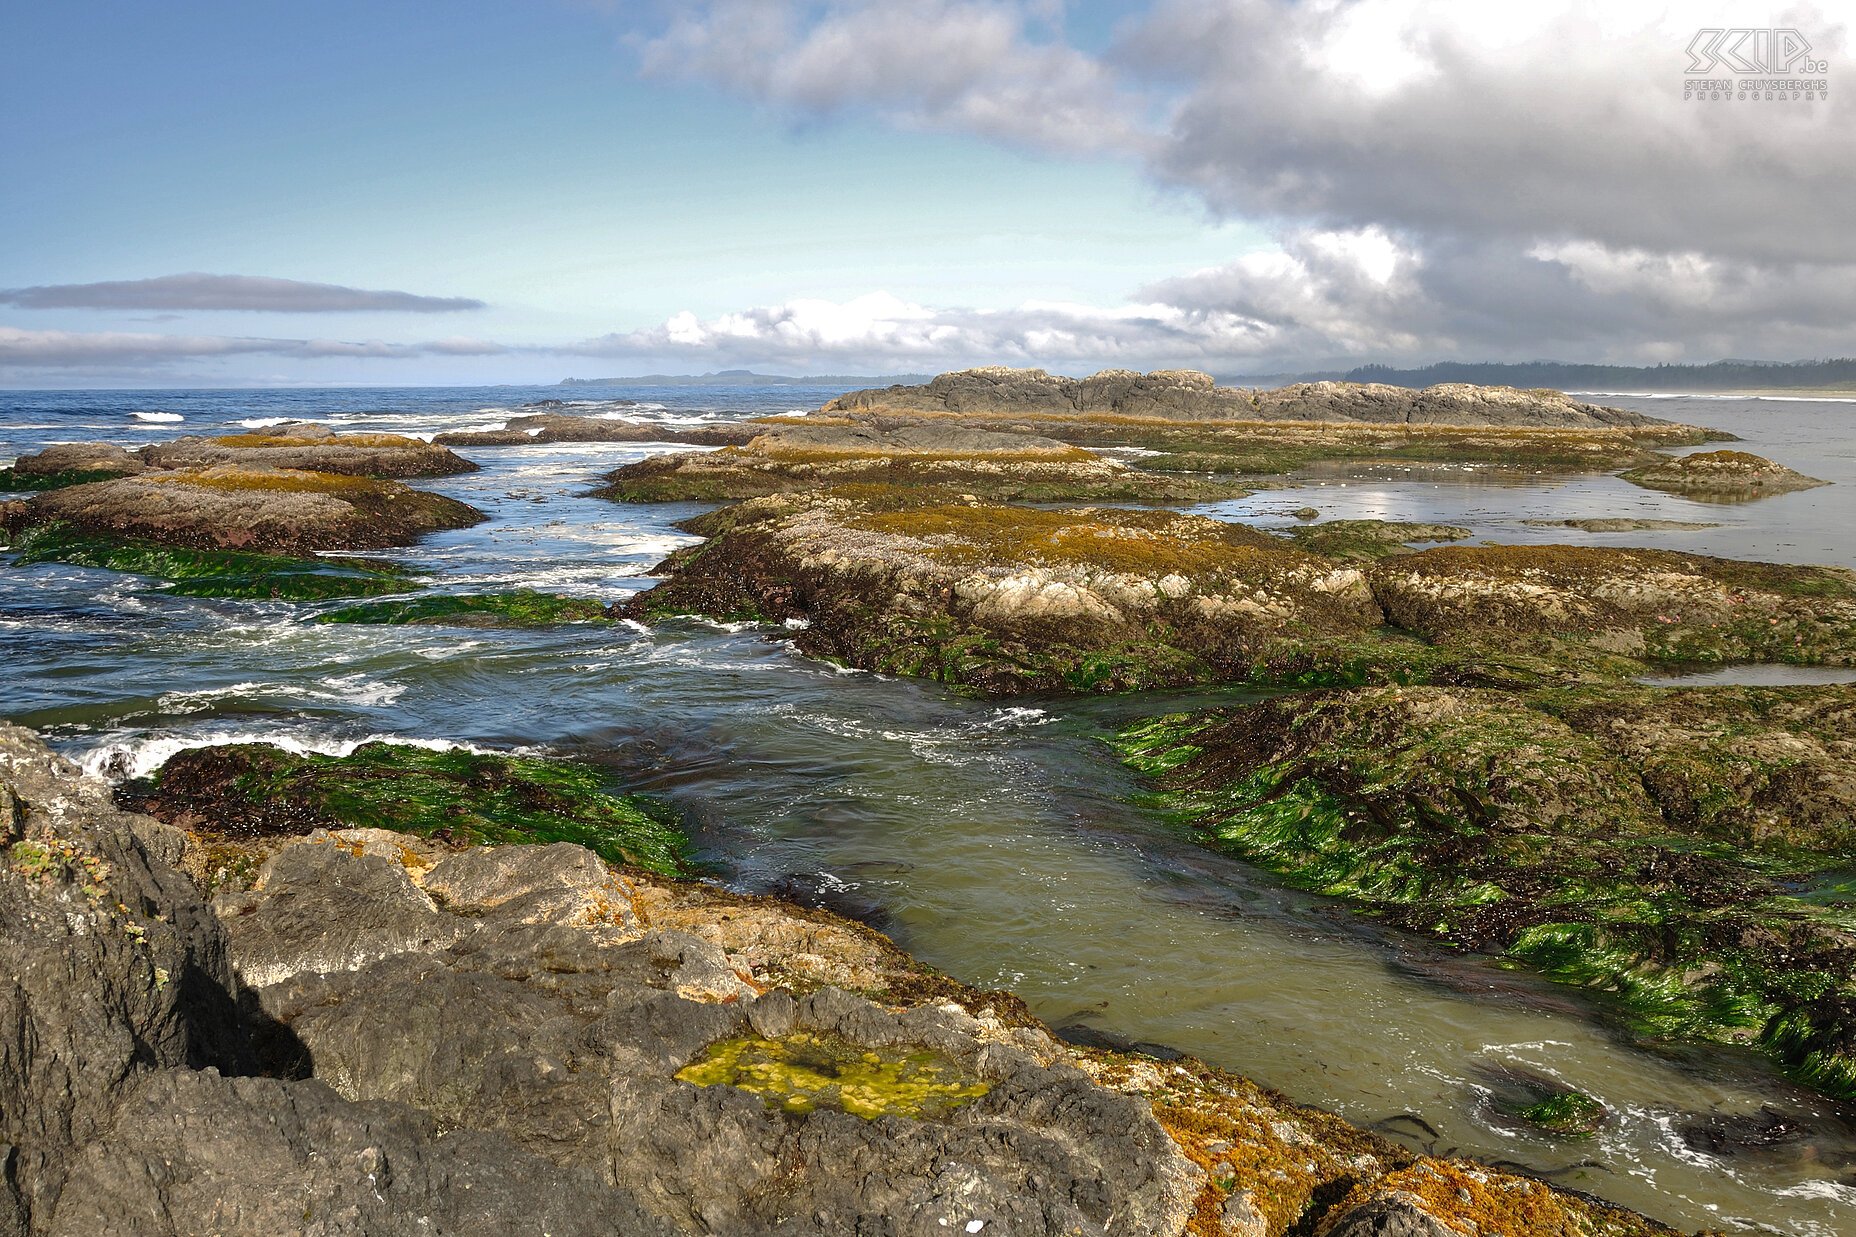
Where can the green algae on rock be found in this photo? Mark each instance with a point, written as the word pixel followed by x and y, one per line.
pixel 520 608
pixel 210 573
pixel 1528 827
pixel 255 789
pixel 804 1071
pixel 1720 476
pixel 12 481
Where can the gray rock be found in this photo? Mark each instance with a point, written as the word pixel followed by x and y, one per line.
pixel 78 457
pixel 196 1153
pixel 1394 1214
pixel 605 1023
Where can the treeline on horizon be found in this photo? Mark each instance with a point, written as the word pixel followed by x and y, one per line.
pixel 1716 376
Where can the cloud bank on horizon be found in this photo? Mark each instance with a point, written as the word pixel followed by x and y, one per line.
pixel 1441 178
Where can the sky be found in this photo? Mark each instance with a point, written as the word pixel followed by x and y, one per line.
pixel 399 193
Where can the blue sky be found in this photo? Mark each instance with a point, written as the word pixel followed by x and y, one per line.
pixel 858 187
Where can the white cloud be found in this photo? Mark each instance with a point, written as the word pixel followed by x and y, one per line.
pixel 1446 176
pixel 980 66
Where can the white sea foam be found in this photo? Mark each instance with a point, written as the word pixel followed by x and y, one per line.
pixel 130 757
pixel 264 423
pixel 163 418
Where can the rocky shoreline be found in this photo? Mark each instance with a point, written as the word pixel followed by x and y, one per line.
pixel 275 946
pixel 595 1086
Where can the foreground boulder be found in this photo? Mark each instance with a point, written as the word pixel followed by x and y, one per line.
pixel 1190 395
pixel 1720 477
pixel 270 511
pixel 378 1034
pixel 1679 849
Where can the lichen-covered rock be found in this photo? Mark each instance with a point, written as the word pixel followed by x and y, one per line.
pixel 1720 477
pixel 1011 599
pixel 1682 849
pixel 273 511
pixel 314 448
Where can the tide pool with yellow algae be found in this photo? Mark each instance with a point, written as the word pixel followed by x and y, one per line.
pixel 805 1071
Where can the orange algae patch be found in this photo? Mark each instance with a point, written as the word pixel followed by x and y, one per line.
pixel 297 481
pixel 340 440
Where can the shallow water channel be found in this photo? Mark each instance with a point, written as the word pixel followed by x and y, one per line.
pixel 1000 842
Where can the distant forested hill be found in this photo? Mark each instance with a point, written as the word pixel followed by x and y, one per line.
pixel 1719 376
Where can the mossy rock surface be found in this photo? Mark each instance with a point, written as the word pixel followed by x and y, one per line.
pixel 210 573
pixel 522 608
pixel 1665 847
pixel 256 790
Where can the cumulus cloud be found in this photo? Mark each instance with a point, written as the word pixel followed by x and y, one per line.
pixel 1445 176
pixel 984 66
pixel 24 348
pixel 234 292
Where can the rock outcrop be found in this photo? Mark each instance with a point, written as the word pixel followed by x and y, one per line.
pixel 268 511
pixel 1720 477
pixel 1011 599
pixel 71 462
pixel 1190 395
pixel 314 448
pixel 1003 466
